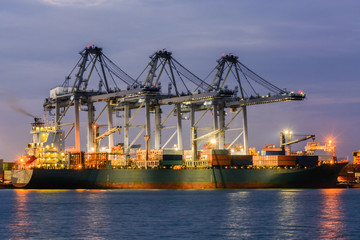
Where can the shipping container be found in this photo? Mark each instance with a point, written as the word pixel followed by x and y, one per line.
pixel 219 152
pixel 307 161
pixel 274 160
pixel 219 157
pixel 172 157
pixel 76 160
pixel 220 160
pixel 172 152
pixel 272 153
pixel 214 151
pixel 241 157
pixel 96 160
pixel 241 161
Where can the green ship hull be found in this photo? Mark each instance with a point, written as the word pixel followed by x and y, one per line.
pixel 324 176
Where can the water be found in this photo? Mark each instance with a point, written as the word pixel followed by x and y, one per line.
pixel 180 214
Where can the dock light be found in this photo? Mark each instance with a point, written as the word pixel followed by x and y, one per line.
pixel 232 150
pixel 92 149
pixel 21 160
pixel 213 141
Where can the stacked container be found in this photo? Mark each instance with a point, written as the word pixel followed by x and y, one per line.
pixel 216 157
pixel 154 158
pixel 274 160
pixel 241 160
pixel 76 160
pixel 199 162
pixel 307 161
pixel 171 157
pixel 96 160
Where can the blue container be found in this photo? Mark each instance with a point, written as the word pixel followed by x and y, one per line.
pixel 274 153
pixel 307 161
pixel 172 157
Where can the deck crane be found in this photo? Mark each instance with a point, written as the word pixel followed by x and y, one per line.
pixel 283 142
pixel 98 137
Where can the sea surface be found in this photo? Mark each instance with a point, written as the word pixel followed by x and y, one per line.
pixel 180 214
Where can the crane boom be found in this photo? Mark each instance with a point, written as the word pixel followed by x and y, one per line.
pixel 299 140
pixel 108 132
pixel 283 143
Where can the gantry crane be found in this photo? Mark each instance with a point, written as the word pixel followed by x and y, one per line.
pixel 186 92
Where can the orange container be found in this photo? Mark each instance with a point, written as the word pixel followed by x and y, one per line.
pixel 219 160
pixel 274 160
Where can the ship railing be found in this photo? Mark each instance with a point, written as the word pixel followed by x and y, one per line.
pixel 152 164
pixel 200 163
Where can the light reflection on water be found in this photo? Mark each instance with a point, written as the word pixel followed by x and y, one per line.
pixel 287 214
pixel 264 214
pixel 21 222
pixel 288 222
pixel 331 219
pixel 218 214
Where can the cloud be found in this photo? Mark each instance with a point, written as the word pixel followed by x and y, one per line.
pixel 74 3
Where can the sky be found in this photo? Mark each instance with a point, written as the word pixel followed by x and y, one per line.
pixel 312 46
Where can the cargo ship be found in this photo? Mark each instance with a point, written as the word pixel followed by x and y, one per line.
pixel 170 88
pixel 48 166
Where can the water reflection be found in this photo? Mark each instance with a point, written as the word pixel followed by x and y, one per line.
pixel 20 224
pixel 58 213
pixel 94 216
pixel 238 215
pixel 288 213
pixel 331 219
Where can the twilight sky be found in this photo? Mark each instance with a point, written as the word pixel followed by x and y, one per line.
pixel 313 46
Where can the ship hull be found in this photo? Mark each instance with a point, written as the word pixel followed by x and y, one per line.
pixel 324 176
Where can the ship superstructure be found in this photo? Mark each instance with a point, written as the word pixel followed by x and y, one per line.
pixel 47 148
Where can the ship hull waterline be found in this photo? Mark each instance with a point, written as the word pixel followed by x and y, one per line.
pixel 324 176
